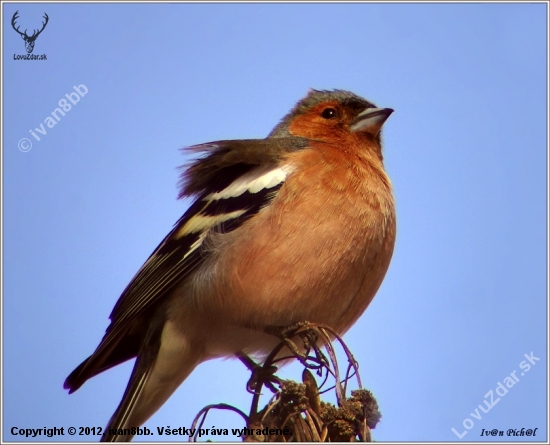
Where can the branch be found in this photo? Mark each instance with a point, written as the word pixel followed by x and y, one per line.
pixel 295 412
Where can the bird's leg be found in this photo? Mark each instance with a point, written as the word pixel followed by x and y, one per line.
pixel 309 333
pixel 265 375
pixel 247 361
pixel 285 334
pixel 284 331
pixel 304 329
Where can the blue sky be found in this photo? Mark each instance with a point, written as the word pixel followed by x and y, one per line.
pixel 465 296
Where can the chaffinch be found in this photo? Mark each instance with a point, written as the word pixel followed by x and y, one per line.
pixel 297 226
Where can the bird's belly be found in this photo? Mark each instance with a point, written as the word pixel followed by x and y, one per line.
pixel 335 301
pixel 300 274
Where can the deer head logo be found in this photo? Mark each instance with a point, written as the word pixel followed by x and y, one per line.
pixel 29 40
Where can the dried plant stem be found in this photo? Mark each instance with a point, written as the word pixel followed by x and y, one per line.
pixel 296 409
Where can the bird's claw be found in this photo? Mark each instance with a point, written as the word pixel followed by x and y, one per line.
pixel 260 374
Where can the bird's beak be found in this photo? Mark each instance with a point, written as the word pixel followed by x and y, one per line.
pixel 371 120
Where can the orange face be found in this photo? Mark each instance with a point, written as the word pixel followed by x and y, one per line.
pixel 327 122
pixel 335 123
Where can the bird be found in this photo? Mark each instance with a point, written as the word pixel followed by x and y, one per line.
pixel 300 225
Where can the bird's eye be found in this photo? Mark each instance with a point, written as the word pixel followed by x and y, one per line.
pixel 328 113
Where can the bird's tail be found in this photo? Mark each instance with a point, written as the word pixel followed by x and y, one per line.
pixel 119 428
pixel 159 369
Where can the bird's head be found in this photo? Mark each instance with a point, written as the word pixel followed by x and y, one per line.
pixel 334 117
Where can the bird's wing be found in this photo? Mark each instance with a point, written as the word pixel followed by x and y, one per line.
pixel 231 183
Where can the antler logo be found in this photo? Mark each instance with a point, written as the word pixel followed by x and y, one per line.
pixel 29 40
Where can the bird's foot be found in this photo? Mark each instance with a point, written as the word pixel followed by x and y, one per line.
pixel 309 334
pixel 265 375
pixel 286 331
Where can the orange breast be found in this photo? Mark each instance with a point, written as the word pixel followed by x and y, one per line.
pixel 319 252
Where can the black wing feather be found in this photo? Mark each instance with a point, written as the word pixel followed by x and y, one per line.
pixel 171 262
